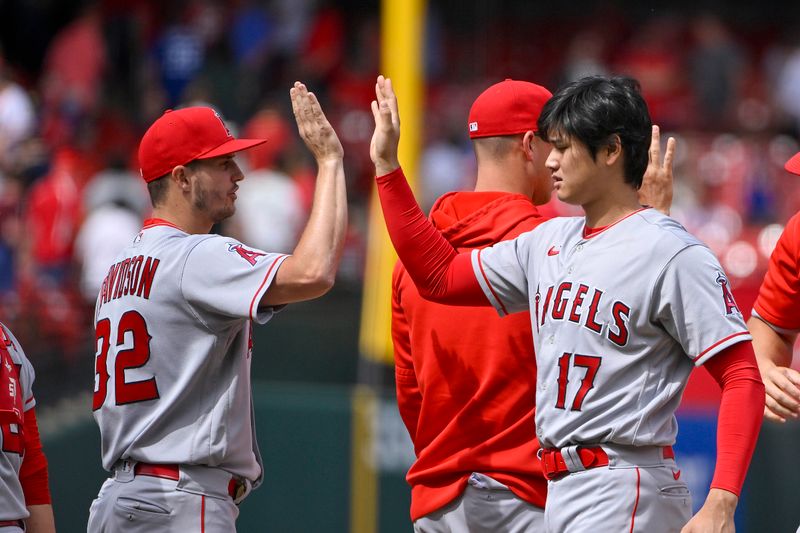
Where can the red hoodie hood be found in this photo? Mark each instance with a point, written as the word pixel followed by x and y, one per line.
pixel 470 219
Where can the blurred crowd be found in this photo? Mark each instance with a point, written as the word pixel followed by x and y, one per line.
pixel 71 118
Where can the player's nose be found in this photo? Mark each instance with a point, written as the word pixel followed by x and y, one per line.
pixel 236 174
pixel 552 162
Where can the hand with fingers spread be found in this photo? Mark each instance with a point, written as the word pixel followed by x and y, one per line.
pixel 656 189
pixel 314 128
pixel 386 138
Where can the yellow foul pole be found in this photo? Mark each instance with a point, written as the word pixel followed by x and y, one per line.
pixel 402 38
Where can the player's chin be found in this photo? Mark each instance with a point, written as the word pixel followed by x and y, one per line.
pixel 563 195
pixel 224 213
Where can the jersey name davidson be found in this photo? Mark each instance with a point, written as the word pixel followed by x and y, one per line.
pixel 132 276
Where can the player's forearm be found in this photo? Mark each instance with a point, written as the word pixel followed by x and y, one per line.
pixel 740 414
pixel 440 273
pixel 33 474
pixel 41 519
pixel 315 259
pixel 771 348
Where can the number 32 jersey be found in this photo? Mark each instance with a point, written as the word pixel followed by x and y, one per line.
pixel 620 318
pixel 173 340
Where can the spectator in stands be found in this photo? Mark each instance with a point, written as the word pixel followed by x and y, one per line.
pixel 17 117
pixel 116 204
pixel 270 213
pixel 716 66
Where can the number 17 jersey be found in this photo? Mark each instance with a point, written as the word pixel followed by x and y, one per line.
pixel 619 317
pixel 173 347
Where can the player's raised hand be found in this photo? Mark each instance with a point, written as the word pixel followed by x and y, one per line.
pixel 782 386
pixel 656 189
pixel 386 138
pixel 313 126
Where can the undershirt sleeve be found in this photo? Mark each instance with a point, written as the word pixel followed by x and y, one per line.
pixel 33 472
pixel 740 413
pixel 440 273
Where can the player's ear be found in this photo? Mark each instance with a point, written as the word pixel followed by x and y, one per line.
pixel 613 149
pixel 527 144
pixel 180 175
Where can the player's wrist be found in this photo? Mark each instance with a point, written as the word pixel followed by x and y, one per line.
pixel 722 500
pixel 332 160
pixel 383 167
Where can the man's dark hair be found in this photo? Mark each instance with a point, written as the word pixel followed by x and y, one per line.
pixel 595 109
pixel 158 187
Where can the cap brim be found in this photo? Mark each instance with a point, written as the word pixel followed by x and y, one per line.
pixel 793 164
pixel 229 147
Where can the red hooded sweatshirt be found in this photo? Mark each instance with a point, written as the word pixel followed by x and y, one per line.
pixel 466 378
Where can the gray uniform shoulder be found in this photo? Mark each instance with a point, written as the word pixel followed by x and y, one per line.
pixel 555 228
pixel 560 224
pixel 666 233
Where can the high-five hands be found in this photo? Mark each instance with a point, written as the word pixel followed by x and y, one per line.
pixel 386 138
pixel 313 126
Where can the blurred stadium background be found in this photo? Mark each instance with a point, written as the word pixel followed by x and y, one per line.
pixel 80 81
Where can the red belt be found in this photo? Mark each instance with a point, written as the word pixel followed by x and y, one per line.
pixel 15 523
pixel 591 457
pixel 236 488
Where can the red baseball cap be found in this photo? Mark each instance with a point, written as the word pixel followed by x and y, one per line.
pixel 507 108
pixel 793 164
pixel 180 136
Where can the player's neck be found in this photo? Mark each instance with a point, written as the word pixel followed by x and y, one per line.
pixel 608 209
pixel 185 221
pixel 503 178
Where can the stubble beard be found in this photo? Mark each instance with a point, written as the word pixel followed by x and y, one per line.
pixel 201 203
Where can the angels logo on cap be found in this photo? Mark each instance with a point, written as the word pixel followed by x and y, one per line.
pixel 183 135
pixel 227 130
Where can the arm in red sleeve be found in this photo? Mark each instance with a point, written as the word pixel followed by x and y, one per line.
pixel 740 412
pixel 440 273
pixel 33 472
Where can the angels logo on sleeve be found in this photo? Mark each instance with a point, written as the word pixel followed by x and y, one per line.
pixel 251 256
pixel 727 297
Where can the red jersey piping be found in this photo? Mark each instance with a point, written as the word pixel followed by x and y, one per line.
pixel 601 230
pixel 488 284
pixel 720 342
pixel 266 277
pixel 153 222
pixel 636 503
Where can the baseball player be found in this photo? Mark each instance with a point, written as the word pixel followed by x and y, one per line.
pixel 775 321
pixel 173 326
pixel 24 490
pixel 623 304
pixel 465 377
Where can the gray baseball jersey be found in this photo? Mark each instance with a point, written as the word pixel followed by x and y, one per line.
pixel 12 500
pixel 619 320
pixel 173 330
